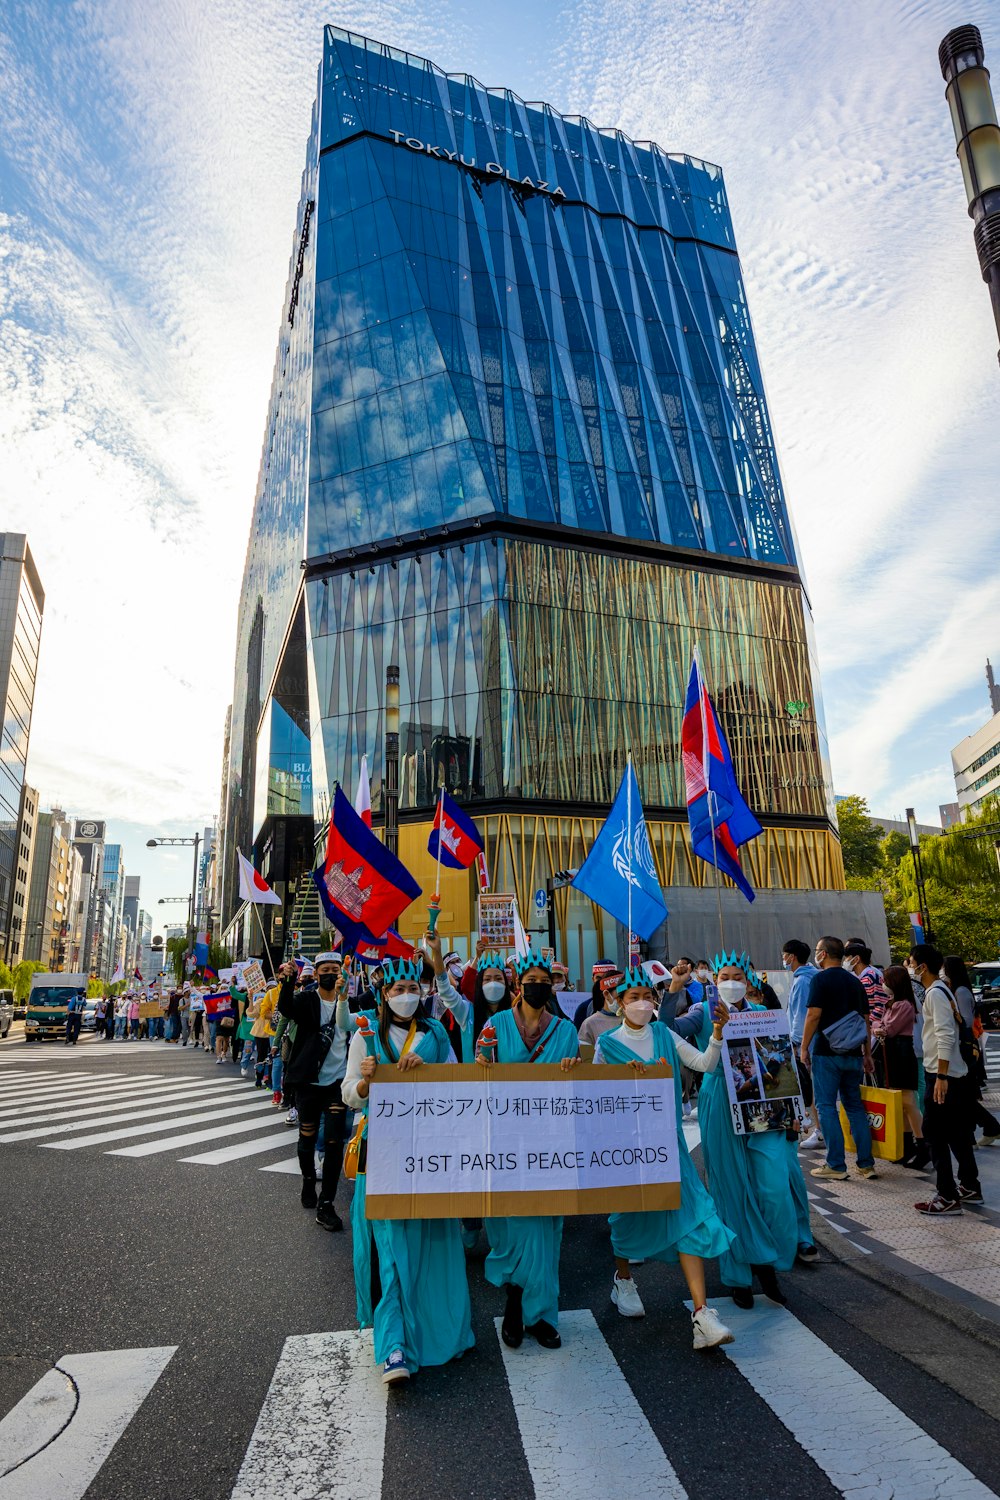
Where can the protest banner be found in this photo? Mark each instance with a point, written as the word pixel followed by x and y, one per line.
pixel 252 977
pixel 496 920
pixel 465 1141
pixel 762 1079
pixel 149 1008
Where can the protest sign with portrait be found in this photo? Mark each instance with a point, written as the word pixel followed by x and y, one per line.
pixel 762 1080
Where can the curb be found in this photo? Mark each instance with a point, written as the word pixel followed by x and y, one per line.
pixel 965 1319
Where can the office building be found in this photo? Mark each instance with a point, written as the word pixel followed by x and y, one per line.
pixel 88 839
pixel 518 449
pixel 22 602
pixel 55 871
pixel 22 875
pixel 108 948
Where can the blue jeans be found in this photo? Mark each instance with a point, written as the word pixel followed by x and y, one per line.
pixel 841 1075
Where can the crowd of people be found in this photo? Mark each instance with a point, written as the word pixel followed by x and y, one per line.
pixel 321 1033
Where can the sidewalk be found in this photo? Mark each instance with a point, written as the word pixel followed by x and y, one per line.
pixel 952 1263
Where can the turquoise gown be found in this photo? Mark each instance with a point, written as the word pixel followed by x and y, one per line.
pixel 661 1234
pixel 756 1182
pixel 424 1308
pixel 524 1252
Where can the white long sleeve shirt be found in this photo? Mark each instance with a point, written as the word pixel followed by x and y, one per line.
pixel 356 1056
pixel 939 1034
pixel 640 1041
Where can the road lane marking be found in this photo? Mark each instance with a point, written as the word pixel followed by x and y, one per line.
pixel 84 1119
pixel 291 1166
pixel 192 1138
pixel 321 1430
pixel 574 1409
pixel 57 1436
pixel 79 1097
pixel 204 1115
pixel 244 1148
pixel 863 1443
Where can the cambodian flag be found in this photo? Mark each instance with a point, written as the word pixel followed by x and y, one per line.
pixel 360 881
pixel 209 973
pixel 389 946
pixel 454 837
pixel 720 819
pixel 220 1003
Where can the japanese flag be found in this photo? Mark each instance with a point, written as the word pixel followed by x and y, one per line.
pixel 254 887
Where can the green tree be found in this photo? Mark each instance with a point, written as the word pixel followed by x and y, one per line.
pixel 21 976
pixel 861 842
pixel 176 948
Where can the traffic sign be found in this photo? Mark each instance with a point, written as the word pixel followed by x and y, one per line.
pixel 541 899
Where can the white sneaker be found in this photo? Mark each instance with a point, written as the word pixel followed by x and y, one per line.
pixel 625 1296
pixel 709 1331
pixel 686 1107
pixel 292 1117
pixel 812 1142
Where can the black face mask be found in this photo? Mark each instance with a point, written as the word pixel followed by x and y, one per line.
pixel 537 993
pixel 327 981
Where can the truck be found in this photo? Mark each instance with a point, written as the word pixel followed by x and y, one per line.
pixel 48 1001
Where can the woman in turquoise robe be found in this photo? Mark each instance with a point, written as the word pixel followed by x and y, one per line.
pixel 524 1252
pixel 755 1179
pixel 422 1316
pixel 693 1232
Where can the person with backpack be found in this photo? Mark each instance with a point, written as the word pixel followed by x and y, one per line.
pixel 954 972
pixel 316 1068
pixel 836 1047
pixel 949 1100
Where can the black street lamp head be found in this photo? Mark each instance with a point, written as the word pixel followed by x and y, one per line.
pixel 151 843
pixel 977 143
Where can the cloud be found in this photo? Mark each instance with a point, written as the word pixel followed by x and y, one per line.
pixel 150 173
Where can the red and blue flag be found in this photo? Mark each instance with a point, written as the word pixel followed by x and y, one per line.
pixel 363 887
pixel 721 822
pixel 454 837
pixel 209 972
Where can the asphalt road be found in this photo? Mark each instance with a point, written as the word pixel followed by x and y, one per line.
pixel 219 1263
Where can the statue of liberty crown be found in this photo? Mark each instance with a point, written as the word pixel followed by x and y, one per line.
pixel 491 959
pixel 739 961
pixel 634 979
pixel 395 969
pixel 531 960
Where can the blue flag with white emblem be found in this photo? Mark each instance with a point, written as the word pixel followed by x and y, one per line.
pixel 620 865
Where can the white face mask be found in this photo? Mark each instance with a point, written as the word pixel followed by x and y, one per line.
pixel 404 1005
pixel 786 963
pixel 732 991
pixel 493 991
pixel 639 1012
pixel 704 975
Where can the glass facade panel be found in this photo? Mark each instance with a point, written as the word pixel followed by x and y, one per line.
pixel 504 319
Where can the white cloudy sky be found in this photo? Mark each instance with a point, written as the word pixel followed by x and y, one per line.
pixel 149 168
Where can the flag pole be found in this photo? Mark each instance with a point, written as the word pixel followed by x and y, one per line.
pixel 434 904
pixel 708 796
pixel 260 924
pixel 628 794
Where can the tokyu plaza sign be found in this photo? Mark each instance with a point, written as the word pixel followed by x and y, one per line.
pixel 494 168
pixel 465 1141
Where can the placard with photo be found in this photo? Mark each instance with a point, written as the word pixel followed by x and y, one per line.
pixel 761 1071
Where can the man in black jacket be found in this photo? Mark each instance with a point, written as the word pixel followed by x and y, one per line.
pixel 316 1070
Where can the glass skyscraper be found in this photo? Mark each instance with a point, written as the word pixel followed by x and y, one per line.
pixel 518 447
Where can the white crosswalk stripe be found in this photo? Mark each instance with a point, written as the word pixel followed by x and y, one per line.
pixel 58 1436
pixel 86 1110
pixel 322 1427
pixel 887 1454
pixel 551 1390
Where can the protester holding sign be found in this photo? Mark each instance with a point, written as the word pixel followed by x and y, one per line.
pixel 692 1233
pixel 422 1315
pixel 524 1252
pixel 466 1018
pixel 755 1179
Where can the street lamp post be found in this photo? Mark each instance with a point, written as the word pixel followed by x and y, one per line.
pixel 193 913
pixel 918 870
pixel 391 777
pixel 977 139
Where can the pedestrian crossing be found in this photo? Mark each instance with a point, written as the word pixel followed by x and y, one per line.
pixel 991 1056
pixel 324 1423
pixel 143 1114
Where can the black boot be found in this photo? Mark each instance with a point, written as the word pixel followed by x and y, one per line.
pixel 545 1334
pixel 768 1279
pixel 742 1296
pixel 309 1192
pixel 327 1216
pixel 909 1146
pixel 921 1157
pixel 512 1327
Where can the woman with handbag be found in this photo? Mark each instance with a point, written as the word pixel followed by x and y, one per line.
pixel 409 1274
pixel 894 1030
